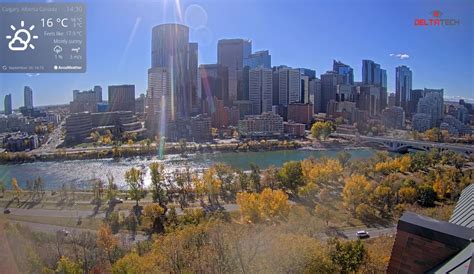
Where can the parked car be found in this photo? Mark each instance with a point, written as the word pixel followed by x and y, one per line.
pixel 6 211
pixel 63 232
pixel 361 234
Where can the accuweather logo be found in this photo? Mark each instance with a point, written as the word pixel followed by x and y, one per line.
pixel 436 20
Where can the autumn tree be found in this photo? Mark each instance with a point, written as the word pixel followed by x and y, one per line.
pixel 67 266
pixel 383 199
pixel 106 240
pixel 153 218
pixel 356 191
pixel 270 178
pixel 323 212
pixel 2 188
pixel 112 189
pixel 407 194
pixel 134 179
pixel 16 190
pixel 269 205
pixel 209 185
pixel 426 195
pixel 322 130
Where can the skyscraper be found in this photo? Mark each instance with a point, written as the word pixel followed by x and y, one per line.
pixel 214 83
pixel 8 104
pixel 231 53
pixel 122 98
pixel 259 59
pixel 260 89
pixel 170 50
pixel 432 104
pixel 403 87
pixel 286 85
pixel 194 83
pixel 370 73
pixel 98 93
pixel 329 82
pixel 158 100
pixel 345 70
pixel 28 97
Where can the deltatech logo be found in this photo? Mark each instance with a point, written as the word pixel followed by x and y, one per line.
pixel 436 20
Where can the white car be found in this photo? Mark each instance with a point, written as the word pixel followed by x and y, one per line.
pixel 361 234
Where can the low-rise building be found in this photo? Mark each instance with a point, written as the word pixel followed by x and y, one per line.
pixel 296 130
pixel 300 113
pixel 421 122
pixel 267 124
pixel 454 126
pixel 201 128
pixel 20 142
pixel 393 117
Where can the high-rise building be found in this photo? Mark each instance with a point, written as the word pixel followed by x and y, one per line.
pixel 432 104
pixel 195 81
pixel 158 101
pixel 306 75
pixel 371 74
pixel 231 53
pixel 415 96
pixel 286 85
pixel 8 104
pixel 215 82
pixel 315 94
pixel 391 100
pixel 403 85
pixel 170 51
pixel 260 89
pixel 258 59
pixel 369 97
pixel 122 98
pixel 140 103
pixel 84 101
pixel 98 93
pixel 329 82
pixel 28 97
pixel 345 70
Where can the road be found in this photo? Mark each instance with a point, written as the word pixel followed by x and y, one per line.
pixel 349 233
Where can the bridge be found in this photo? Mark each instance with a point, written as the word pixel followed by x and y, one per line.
pixel 396 145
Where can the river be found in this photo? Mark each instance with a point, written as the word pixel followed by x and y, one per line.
pixel 80 172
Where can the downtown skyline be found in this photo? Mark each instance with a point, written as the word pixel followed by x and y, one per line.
pixel 127 60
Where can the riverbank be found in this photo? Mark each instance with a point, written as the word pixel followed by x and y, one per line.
pixel 127 151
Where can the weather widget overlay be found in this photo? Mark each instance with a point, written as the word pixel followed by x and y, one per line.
pixel 42 38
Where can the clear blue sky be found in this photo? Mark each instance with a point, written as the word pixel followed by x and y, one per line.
pixel 298 33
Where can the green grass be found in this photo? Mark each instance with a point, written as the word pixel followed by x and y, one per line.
pixel 87 223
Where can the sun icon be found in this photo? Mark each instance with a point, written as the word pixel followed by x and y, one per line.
pixel 22 38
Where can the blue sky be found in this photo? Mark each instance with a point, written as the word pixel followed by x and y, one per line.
pixel 298 33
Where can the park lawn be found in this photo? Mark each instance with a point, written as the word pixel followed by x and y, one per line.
pixel 87 223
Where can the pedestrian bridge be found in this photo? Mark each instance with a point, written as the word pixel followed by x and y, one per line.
pixel 396 145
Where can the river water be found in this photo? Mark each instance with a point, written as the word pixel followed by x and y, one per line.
pixel 80 172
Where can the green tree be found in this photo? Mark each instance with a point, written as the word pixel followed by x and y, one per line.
pixel 255 177
pixel 134 179
pixel 158 189
pixel 2 188
pixel 349 255
pixel 343 157
pixel 426 195
pixel 291 176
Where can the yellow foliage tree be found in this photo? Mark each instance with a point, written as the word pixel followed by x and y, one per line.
pixel 151 213
pixel 16 190
pixel 356 191
pixel 209 185
pixel 105 239
pixel 269 205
